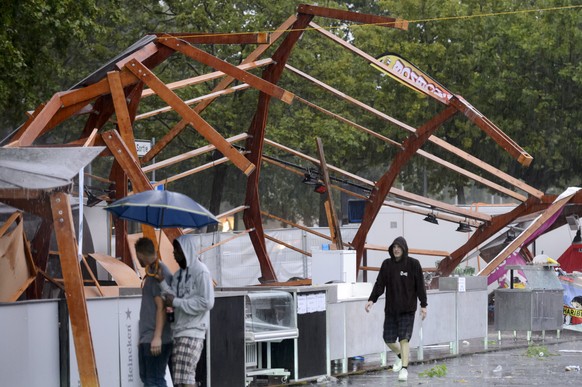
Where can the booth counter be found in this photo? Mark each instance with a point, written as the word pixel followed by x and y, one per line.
pixel 533 304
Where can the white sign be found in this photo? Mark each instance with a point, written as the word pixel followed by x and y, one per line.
pixel 462 284
pixel 143 147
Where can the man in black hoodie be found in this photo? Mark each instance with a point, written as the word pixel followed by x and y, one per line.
pixel 401 276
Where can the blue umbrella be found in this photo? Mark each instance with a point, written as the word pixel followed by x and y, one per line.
pixel 162 209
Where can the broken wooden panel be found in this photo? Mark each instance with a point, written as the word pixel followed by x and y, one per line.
pixel 122 274
pixel 17 270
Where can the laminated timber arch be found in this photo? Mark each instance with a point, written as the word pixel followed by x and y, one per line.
pixel 117 88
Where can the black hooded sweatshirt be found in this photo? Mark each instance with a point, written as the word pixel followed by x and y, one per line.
pixel 402 280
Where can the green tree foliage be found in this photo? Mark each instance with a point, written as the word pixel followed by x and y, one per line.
pixel 36 42
pixel 520 68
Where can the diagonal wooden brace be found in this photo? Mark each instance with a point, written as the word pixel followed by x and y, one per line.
pixel 203 127
pixel 220 65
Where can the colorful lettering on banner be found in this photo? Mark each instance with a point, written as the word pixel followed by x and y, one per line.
pixel 572 312
pixel 409 75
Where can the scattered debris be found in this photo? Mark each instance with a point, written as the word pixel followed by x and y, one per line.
pixel 537 351
pixel 573 368
pixel 438 370
pixel 499 368
pixel 326 379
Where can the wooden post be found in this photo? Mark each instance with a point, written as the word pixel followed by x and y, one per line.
pixel 334 226
pixel 74 292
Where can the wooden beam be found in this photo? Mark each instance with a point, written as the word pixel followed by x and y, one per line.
pixel 384 185
pixel 339 14
pixel 300 227
pixel 65 113
pixel 220 65
pixel 119 177
pixel 220 38
pixel 177 129
pixel 88 93
pixel 438 253
pixel 164 141
pixel 222 242
pixel 532 228
pixel 208 77
pixel 443 144
pixel 131 167
pixel 502 139
pixel 193 101
pixel 103 109
pixel 231 212
pixel 435 204
pixel 420 152
pixel 93 278
pixel 273 239
pixel 140 55
pixel 334 226
pixel 473 176
pixel 487 230
pixel 121 111
pixel 192 171
pixel 40 249
pixel 23 127
pixel 74 292
pixel 252 216
pixel 348 122
pixel 207 131
pixel 34 128
pixel 416 210
pixel 188 155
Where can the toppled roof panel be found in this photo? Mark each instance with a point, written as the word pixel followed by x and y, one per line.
pixel 42 168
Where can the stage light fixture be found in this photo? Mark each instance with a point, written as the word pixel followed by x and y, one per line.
pixel 463 227
pixel 431 218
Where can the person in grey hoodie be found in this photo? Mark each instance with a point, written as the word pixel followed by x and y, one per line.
pixel 191 295
pixel 402 279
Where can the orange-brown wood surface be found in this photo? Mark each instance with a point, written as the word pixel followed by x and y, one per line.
pixel 66 241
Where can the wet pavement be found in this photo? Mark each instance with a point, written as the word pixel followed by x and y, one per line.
pixel 513 361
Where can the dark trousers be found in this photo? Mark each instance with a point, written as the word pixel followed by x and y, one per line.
pixel 152 369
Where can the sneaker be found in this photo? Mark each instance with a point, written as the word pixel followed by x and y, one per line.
pixel 397 365
pixel 403 375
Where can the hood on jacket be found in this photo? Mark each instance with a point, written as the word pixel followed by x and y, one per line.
pixel 190 247
pixel 400 241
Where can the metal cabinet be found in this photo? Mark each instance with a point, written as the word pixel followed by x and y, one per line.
pixel 535 306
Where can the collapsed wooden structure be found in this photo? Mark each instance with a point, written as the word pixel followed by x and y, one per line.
pixel 115 91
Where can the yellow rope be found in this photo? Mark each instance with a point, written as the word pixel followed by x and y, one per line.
pixel 436 19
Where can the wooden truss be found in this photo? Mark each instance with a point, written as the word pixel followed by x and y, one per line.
pixel 117 89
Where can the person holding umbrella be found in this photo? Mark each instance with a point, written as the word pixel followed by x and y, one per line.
pixel 155 335
pixel 191 295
